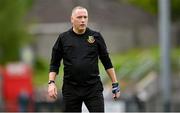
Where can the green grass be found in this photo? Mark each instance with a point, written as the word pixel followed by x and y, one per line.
pixel 133 65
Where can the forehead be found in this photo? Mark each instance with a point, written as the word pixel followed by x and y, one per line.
pixel 79 12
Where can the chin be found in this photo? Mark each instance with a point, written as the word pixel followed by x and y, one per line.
pixel 82 29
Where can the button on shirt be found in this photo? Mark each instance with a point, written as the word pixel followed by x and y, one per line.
pixel 80 55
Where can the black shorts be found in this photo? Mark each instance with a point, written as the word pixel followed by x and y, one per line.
pixel 92 96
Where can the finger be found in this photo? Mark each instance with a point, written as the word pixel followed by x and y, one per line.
pixel 54 97
pixel 114 95
pixel 115 98
pixel 51 93
pixel 55 93
pixel 118 95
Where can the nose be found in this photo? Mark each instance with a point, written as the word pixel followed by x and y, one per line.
pixel 83 19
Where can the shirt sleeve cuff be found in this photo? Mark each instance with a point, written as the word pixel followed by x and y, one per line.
pixel 54 69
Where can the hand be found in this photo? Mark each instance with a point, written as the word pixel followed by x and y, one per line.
pixel 116 90
pixel 52 90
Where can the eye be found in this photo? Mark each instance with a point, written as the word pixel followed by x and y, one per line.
pixel 79 17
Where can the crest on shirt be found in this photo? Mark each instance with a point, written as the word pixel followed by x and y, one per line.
pixel 91 39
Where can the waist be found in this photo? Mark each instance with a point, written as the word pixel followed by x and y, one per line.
pixel 89 82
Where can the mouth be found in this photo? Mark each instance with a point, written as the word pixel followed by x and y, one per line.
pixel 82 25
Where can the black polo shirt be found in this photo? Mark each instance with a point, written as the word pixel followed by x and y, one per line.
pixel 80 55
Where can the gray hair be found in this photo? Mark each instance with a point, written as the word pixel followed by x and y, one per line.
pixel 77 7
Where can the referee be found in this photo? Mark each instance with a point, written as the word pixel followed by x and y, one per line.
pixel 80 48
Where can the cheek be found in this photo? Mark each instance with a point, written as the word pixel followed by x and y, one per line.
pixel 76 21
pixel 86 20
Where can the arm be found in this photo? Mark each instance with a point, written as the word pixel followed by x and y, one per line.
pixel 106 61
pixel 52 76
pixel 52 89
pixel 54 67
pixel 115 85
pixel 112 75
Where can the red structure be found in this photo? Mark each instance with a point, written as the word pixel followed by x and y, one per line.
pixel 17 82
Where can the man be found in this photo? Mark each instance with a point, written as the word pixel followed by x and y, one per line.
pixel 80 48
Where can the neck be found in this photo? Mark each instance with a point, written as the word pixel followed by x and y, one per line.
pixel 79 31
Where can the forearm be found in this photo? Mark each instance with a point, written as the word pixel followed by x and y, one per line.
pixel 52 89
pixel 52 76
pixel 111 73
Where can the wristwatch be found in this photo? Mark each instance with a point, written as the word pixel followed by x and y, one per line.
pixel 51 81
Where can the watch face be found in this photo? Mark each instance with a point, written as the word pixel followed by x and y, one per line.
pixel 51 81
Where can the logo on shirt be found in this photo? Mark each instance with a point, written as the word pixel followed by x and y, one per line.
pixel 91 39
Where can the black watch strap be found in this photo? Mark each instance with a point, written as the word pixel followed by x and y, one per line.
pixel 51 81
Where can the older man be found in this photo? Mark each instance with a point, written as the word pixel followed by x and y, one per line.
pixel 80 48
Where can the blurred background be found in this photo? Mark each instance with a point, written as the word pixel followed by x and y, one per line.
pixel 29 28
